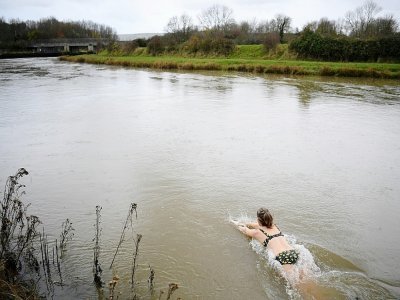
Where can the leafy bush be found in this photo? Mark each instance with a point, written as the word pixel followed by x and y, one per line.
pixel 315 46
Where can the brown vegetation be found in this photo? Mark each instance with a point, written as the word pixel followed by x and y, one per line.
pixel 29 260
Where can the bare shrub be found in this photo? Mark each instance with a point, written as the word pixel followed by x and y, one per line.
pixel 271 40
pixel 155 45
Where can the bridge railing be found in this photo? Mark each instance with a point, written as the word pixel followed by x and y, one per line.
pixel 70 41
pixel 67 45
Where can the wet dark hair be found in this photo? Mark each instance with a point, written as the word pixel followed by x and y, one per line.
pixel 264 217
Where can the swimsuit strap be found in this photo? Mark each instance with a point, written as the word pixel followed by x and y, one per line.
pixel 270 237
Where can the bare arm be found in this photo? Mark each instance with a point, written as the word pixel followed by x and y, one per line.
pixel 247 231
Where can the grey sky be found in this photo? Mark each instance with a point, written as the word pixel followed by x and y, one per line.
pixel 139 16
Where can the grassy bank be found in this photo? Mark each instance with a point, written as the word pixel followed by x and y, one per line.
pixel 244 59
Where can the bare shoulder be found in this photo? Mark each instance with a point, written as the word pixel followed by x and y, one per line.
pixel 271 231
pixel 253 225
pixel 257 233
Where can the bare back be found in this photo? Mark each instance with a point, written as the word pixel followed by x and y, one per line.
pixel 276 244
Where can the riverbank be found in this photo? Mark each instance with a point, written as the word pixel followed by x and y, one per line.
pixel 243 63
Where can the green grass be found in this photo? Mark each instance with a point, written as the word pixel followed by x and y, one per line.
pixel 249 52
pixel 246 58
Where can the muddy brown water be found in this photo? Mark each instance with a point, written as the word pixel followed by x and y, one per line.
pixel 193 150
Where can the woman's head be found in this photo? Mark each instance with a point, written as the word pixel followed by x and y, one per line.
pixel 264 217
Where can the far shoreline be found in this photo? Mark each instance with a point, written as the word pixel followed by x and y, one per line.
pixel 256 66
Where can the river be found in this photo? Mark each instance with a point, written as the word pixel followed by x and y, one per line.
pixel 193 150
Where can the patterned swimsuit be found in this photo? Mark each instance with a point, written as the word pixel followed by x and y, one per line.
pixel 286 257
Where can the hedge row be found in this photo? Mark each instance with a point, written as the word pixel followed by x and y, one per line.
pixel 315 46
pixel 197 44
pixel 209 45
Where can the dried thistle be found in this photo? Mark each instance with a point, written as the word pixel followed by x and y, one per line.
pixel 97 270
pixel 172 288
pixel 150 280
pixel 111 286
pixel 66 233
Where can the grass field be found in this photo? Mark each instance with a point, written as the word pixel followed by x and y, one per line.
pixel 248 58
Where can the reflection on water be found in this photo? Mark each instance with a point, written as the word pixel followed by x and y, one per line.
pixel 309 89
pixel 192 148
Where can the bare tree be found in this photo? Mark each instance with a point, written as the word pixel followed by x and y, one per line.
pixel 187 26
pixel 265 26
pixel 327 27
pixel 247 32
pixel 216 18
pixel 281 24
pixel 180 27
pixel 172 25
pixel 384 26
pixel 358 21
pixel 341 26
pixel 182 24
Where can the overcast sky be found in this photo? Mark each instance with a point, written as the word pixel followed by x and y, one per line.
pixel 140 16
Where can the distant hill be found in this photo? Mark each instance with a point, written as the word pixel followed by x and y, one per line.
pixel 130 37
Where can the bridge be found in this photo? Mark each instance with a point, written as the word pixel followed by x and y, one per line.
pixel 88 45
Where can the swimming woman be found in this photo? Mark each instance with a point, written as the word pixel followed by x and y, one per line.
pixel 270 236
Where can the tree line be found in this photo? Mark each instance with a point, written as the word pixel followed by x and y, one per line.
pixel 217 32
pixel 17 33
pixel 361 35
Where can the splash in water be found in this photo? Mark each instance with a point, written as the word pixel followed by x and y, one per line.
pixel 304 272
